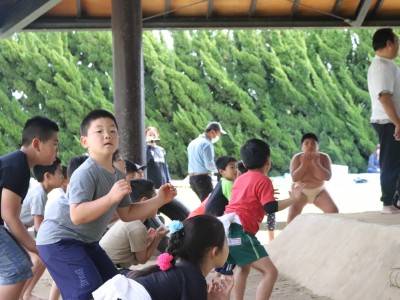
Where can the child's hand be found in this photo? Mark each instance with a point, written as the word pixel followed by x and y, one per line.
pixel 167 192
pixel 151 233
pixel 296 190
pixel 220 290
pixel 120 189
pixel 314 155
pixel 160 232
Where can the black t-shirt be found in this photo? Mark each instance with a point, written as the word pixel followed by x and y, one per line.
pixel 14 175
pixel 183 282
pixel 157 168
pixel 216 202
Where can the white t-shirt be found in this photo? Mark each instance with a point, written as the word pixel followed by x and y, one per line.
pixel 383 77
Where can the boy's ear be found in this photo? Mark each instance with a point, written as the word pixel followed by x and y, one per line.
pixel 83 140
pixel 221 171
pixel 143 199
pixel 36 144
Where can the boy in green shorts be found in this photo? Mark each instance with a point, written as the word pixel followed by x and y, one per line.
pixel 252 197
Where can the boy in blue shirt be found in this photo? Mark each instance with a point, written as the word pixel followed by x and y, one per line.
pixel 68 242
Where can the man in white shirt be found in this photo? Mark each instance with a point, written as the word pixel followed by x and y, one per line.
pixel 384 90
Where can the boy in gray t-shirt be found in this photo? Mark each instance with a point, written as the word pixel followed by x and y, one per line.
pixel 49 178
pixel 68 240
pixel 32 213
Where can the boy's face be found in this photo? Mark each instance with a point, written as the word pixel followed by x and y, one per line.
pixel 230 172
pixel 57 179
pixel 102 137
pixel 47 150
pixel 139 174
pixel 309 145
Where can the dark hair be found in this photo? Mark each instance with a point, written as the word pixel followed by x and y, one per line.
pixel 198 235
pixel 222 162
pixel 117 156
pixel 309 135
pixel 64 171
pixel 241 167
pixel 130 167
pixel 38 127
pixel 255 153
pixel 381 37
pixel 39 170
pixel 94 115
pixel 74 163
pixel 141 188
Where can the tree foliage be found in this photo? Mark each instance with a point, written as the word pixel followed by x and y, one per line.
pixel 270 84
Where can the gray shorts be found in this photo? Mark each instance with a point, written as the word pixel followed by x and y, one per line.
pixel 15 262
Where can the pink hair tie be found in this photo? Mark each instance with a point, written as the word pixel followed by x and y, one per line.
pixel 164 261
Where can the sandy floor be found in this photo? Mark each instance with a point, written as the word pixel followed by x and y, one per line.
pixel 349 197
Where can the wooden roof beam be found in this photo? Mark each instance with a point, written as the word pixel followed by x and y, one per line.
pixel 23 14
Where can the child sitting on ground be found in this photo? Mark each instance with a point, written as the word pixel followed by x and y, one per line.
pixel 130 243
pixel 32 214
pixel 252 197
pixel 68 242
pixel 195 248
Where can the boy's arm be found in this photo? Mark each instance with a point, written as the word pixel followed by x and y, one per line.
pixel 37 221
pixel 143 256
pixel 299 166
pixel 322 166
pixel 295 195
pixel 143 210
pixel 86 212
pixel 10 211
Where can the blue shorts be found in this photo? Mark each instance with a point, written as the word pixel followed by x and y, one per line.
pixel 244 247
pixel 78 268
pixel 15 262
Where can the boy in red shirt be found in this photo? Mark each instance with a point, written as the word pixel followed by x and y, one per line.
pixel 252 197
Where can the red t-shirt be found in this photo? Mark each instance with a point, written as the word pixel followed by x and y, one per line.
pixel 250 192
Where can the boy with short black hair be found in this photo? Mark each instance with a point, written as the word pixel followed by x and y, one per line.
pixel 39 147
pixel 133 171
pixel 311 168
pixel 32 213
pixel 130 243
pixel 252 197
pixel 69 242
pixel 220 196
pixel 49 178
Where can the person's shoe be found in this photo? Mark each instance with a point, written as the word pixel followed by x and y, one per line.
pixel 390 209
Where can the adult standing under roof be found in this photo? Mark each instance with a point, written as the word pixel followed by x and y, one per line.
pixel 201 160
pixel 384 90
pixel 157 167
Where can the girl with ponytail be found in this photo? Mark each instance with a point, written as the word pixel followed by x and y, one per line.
pixel 195 248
